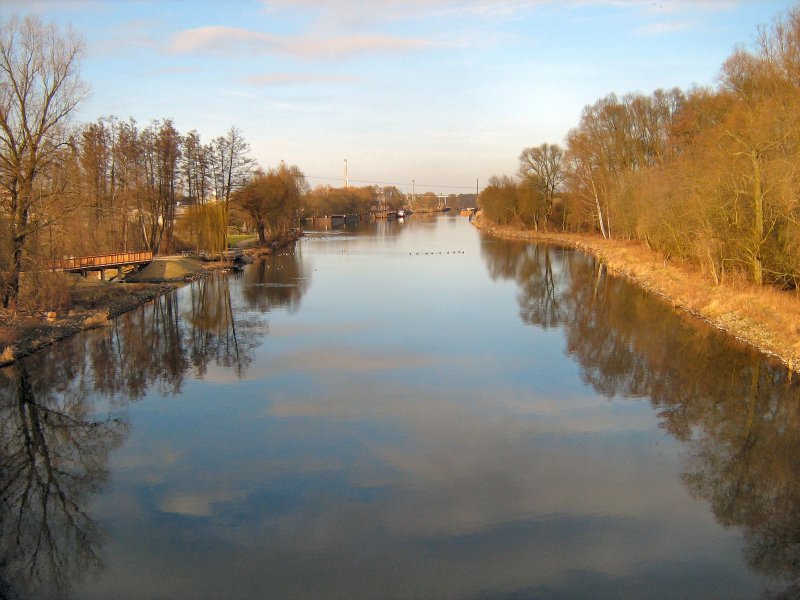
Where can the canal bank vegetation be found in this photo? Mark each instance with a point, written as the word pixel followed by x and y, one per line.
pixel 272 202
pixel 70 189
pixel 706 179
pixel 324 201
pixel 81 189
pixel 763 317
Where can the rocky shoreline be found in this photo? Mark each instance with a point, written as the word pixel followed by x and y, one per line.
pixel 765 319
pixel 21 335
pixel 25 335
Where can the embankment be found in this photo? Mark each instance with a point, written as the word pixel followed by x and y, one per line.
pixel 95 302
pixel 767 319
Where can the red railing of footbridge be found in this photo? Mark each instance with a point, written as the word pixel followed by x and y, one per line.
pixel 117 259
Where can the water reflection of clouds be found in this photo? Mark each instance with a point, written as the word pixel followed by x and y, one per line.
pixel 197 503
pixel 515 408
pixel 453 498
pixel 452 474
pixel 291 329
pixel 446 444
pixel 335 363
pixel 354 466
pixel 163 455
pixel 347 361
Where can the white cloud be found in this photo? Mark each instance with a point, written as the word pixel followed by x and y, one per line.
pixel 672 6
pixel 177 70
pixel 355 11
pixel 223 40
pixel 357 44
pixel 44 6
pixel 275 79
pixel 132 36
pixel 236 40
pixel 664 27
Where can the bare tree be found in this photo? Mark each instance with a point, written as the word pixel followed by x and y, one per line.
pixel 195 168
pixel 542 168
pixel 231 163
pixel 39 88
pixel 230 168
pixel 272 200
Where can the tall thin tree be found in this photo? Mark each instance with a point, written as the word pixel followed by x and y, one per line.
pixel 40 87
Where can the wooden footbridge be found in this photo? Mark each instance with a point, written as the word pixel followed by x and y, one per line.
pixel 101 262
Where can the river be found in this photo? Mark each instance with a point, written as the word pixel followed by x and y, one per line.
pixel 401 410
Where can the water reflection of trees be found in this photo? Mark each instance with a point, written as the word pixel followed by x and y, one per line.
pixel 53 455
pixel 218 332
pixel 158 343
pixel 226 334
pixel 738 414
pixel 531 265
pixel 276 281
pixel 142 348
pixel 54 449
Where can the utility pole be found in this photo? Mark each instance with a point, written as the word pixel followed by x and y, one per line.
pixel 346 175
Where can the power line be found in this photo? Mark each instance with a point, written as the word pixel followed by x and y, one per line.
pixel 458 187
pixel 394 183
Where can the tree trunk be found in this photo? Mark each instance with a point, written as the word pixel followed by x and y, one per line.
pixel 12 285
pixel 758 221
pixel 600 216
pixel 145 237
pixel 18 237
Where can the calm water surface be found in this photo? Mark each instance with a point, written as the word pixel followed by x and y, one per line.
pixel 406 410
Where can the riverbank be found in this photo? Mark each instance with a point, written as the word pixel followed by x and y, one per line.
pixel 94 303
pixel 764 318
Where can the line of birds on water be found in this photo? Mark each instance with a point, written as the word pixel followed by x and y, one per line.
pixel 430 253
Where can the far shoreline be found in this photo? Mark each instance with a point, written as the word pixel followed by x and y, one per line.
pixel 767 320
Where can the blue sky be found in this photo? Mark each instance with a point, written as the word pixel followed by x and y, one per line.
pixel 442 92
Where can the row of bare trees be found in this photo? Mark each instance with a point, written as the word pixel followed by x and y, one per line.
pixel 326 200
pixel 132 179
pixel 105 186
pixel 707 175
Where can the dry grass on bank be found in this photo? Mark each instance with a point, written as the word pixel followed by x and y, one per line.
pixel 98 319
pixel 82 303
pixel 57 305
pixel 763 317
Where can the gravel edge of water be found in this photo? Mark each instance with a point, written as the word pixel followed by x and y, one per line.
pixel 30 334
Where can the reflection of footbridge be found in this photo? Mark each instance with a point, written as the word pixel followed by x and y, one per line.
pixel 101 262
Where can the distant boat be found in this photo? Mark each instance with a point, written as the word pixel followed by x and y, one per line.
pixel 401 214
